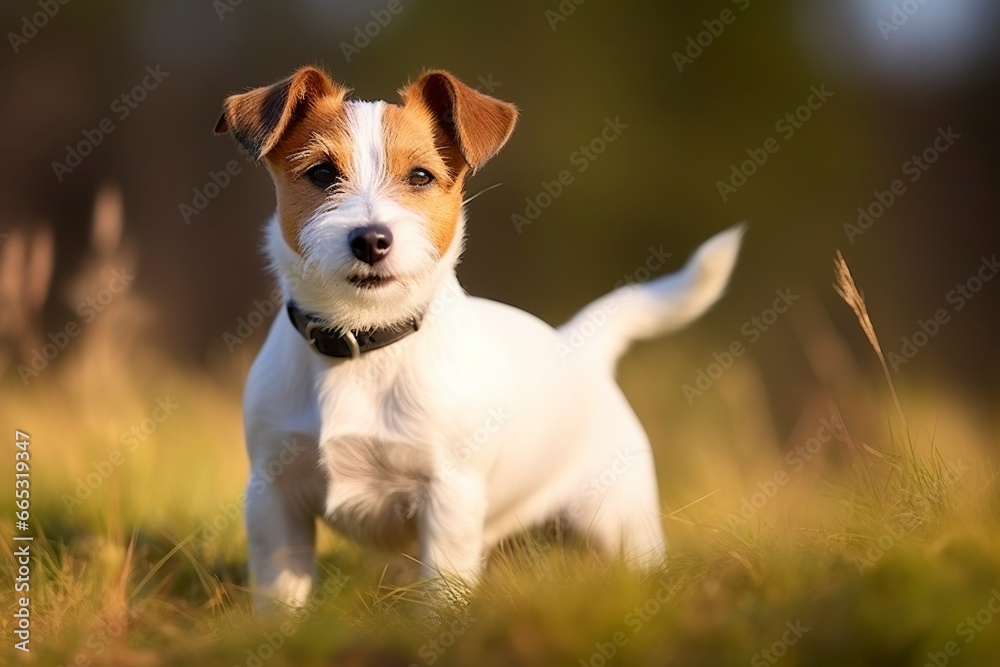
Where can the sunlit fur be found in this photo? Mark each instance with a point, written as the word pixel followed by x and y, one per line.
pixel 376 145
pixel 484 421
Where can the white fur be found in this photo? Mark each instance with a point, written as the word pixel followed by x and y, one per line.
pixel 474 427
pixel 318 280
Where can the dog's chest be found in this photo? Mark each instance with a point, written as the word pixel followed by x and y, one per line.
pixel 375 487
pixel 391 425
pixel 377 452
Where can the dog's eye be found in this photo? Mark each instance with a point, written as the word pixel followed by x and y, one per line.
pixel 420 177
pixel 323 175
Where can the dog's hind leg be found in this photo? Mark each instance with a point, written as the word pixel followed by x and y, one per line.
pixel 621 513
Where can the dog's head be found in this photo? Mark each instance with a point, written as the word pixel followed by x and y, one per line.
pixel 369 193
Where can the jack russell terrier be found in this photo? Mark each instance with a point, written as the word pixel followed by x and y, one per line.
pixel 391 403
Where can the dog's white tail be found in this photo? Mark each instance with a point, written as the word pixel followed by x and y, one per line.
pixel 603 331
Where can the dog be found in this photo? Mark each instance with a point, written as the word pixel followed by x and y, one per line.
pixel 392 404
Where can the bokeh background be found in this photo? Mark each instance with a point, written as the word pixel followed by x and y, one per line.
pixel 656 185
pixel 137 507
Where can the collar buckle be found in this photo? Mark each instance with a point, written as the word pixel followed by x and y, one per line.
pixel 311 326
pixel 352 343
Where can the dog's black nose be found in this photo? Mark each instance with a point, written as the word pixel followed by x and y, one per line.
pixel 370 243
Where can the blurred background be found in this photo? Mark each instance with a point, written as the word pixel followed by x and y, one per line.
pixel 134 296
pixel 849 92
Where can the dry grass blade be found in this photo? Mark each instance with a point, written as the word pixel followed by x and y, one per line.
pixel 849 292
pixel 673 515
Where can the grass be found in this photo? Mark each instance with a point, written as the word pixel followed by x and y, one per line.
pixel 859 551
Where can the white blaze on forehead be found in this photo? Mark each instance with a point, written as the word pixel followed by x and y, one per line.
pixel 369 156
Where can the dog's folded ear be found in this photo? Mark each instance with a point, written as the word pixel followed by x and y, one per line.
pixel 477 125
pixel 259 118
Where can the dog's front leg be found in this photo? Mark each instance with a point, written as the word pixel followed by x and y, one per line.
pixel 451 526
pixel 281 530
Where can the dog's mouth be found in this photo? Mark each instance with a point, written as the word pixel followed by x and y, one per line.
pixel 370 282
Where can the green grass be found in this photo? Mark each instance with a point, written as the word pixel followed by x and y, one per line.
pixel 876 550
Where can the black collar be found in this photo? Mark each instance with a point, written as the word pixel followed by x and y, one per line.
pixel 342 344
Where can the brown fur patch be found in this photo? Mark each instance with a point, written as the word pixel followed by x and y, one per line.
pixel 476 124
pixel 444 127
pixel 320 136
pixel 410 144
pixel 259 118
pixel 295 123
